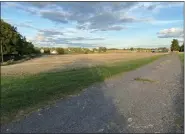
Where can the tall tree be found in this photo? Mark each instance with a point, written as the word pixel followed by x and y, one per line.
pixel 12 42
pixel 182 48
pixel 175 45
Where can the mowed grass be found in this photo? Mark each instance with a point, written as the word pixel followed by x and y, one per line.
pixel 181 55
pixel 20 94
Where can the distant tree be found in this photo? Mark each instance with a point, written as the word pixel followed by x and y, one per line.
pixel 46 50
pixel 95 49
pixel 102 49
pixel 139 49
pixel 37 50
pixel 175 45
pixel 113 49
pixel 86 50
pixel 131 49
pixel 60 50
pixel 163 49
pixel 182 48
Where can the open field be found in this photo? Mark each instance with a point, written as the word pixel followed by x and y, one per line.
pixel 21 94
pixel 146 100
pixel 55 62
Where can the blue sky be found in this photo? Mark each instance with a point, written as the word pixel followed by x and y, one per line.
pixel 94 24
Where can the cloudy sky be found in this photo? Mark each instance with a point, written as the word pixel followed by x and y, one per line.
pixel 94 24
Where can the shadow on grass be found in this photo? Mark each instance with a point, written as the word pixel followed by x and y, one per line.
pixel 11 62
pixel 21 96
pixel 93 110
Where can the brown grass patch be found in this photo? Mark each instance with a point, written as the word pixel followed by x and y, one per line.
pixel 59 62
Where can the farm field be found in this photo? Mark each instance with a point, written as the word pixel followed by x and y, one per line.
pixel 59 62
pixel 92 67
pixel 99 103
pixel 22 94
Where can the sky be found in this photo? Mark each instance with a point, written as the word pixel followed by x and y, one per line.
pixel 95 24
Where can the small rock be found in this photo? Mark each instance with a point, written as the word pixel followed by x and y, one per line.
pixel 101 130
pixel 129 119
pixel 150 125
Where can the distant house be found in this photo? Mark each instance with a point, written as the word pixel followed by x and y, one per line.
pixel 42 51
pixel 53 52
pixel 154 50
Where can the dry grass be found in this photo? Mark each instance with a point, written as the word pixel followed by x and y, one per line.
pixel 58 62
pixel 22 94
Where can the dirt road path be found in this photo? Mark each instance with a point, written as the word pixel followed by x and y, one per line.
pixel 119 104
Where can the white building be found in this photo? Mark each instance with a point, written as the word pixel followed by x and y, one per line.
pixel 42 51
pixel 53 52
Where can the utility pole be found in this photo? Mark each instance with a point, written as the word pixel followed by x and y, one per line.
pixel 2 52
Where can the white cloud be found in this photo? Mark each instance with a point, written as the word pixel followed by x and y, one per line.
pixel 102 16
pixel 88 17
pixel 152 6
pixel 171 33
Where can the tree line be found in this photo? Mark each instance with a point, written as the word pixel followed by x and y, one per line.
pixel 72 50
pixel 176 47
pixel 13 43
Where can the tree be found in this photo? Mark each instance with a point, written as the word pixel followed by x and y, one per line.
pixel 46 50
pixel 60 50
pixel 2 53
pixel 102 49
pixel 95 49
pixel 12 42
pixel 182 48
pixel 175 45
pixel 131 49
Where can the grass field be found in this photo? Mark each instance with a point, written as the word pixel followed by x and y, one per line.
pixel 60 62
pixel 25 93
pixel 181 56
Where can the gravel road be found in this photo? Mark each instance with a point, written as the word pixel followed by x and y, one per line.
pixel 119 104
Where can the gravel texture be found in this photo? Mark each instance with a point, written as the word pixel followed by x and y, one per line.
pixel 119 104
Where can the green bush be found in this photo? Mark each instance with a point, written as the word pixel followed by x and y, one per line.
pixel 102 49
pixel 60 50
pixel 10 61
pixel 46 51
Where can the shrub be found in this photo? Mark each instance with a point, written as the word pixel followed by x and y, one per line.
pixel 10 61
pixel 46 51
pixel 60 50
pixel 102 49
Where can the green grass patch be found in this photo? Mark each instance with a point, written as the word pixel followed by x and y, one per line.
pixel 181 55
pixel 143 79
pixel 31 91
